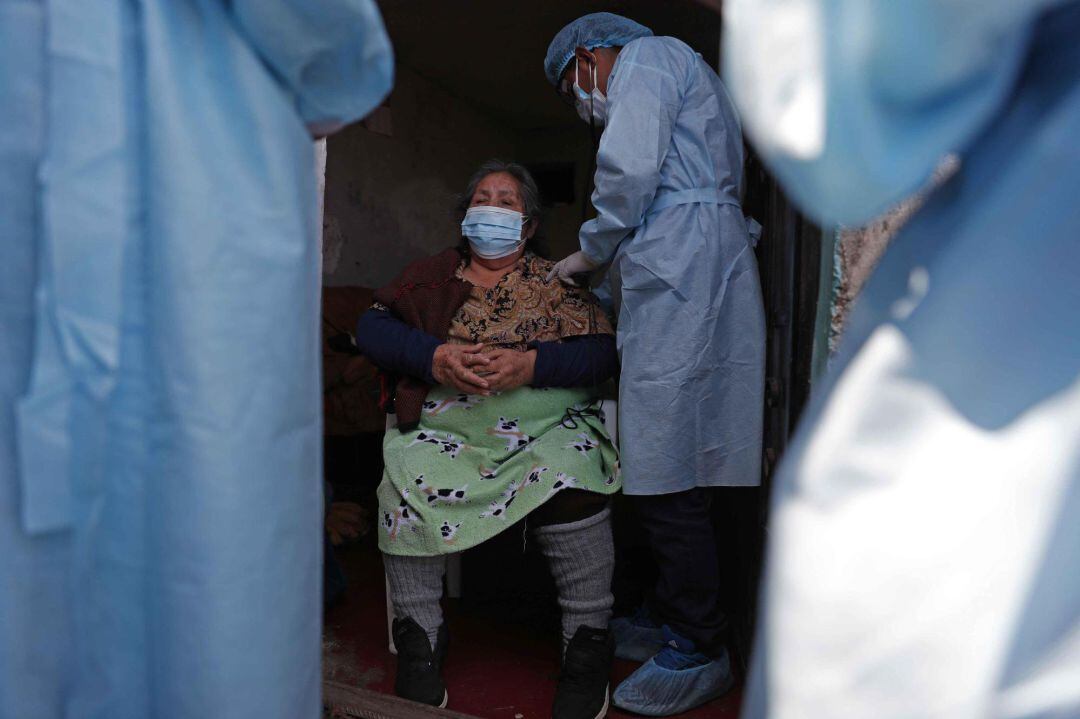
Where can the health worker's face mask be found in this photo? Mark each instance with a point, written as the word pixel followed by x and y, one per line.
pixel 591 107
pixel 493 232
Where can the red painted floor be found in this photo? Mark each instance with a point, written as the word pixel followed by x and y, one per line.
pixel 495 669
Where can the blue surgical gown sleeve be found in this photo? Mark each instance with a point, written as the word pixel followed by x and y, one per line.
pixel 160 414
pixel 856 118
pixel 959 361
pixel 319 49
pixel 644 94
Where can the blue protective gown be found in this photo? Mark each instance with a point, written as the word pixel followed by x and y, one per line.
pixel 160 469
pixel 684 279
pixel 924 556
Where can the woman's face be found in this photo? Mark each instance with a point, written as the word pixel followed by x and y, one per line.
pixel 501 189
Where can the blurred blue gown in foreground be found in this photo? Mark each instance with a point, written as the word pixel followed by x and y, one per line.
pixel 160 419
pixel 924 556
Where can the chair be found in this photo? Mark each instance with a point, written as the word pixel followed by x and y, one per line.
pixel 453 561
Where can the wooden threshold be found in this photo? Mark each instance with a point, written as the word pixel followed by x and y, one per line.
pixel 343 701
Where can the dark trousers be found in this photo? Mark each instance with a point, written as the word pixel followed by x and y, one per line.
pixel 679 530
pixel 568 506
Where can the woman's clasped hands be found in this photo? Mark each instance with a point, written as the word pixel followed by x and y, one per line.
pixel 470 370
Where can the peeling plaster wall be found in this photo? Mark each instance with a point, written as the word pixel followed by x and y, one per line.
pixel 860 249
pixel 858 252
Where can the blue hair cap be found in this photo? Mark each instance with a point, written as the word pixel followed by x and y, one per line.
pixel 600 29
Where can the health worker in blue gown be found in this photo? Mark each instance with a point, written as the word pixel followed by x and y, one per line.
pixel 924 556
pixel 160 418
pixel 691 331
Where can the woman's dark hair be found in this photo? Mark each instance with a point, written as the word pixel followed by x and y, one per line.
pixel 530 195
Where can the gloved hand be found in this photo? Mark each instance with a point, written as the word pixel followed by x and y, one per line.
pixel 574 264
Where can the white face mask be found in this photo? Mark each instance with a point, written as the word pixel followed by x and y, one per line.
pixel 493 232
pixel 596 110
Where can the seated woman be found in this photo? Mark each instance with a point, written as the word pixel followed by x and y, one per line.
pixel 498 421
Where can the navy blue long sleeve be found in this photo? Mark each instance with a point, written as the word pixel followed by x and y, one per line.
pixel 396 347
pixel 583 361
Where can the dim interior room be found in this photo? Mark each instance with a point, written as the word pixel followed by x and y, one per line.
pixel 470 87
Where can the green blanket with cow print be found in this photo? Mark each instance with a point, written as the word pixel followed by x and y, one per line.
pixel 476 465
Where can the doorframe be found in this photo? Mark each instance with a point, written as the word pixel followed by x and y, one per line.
pixel 795 266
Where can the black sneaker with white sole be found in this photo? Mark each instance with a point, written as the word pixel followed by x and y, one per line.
pixel 586 672
pixel 419 667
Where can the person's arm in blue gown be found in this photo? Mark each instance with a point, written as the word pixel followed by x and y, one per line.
pixel 334 55
pixel 854 114
pixel 644 96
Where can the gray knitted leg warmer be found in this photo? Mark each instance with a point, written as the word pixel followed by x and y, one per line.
pixel 582 559
pixel 416 588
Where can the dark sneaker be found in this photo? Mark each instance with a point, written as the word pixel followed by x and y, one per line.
pixel 419 668
pixel 586 670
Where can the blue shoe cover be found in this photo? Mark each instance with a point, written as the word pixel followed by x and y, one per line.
pixel 674 681
pixel 637 638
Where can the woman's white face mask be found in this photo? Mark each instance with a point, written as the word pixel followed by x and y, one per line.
pixel 493 232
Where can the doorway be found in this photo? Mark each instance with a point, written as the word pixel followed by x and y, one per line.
pixel 470 87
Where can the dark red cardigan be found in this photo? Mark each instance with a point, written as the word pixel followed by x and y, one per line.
pixel 426 295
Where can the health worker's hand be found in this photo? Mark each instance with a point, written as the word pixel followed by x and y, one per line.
pixel 574 264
